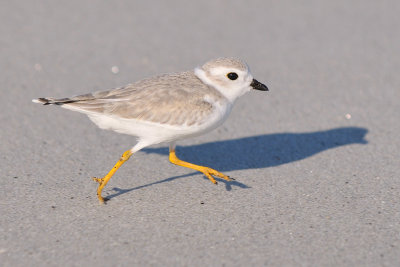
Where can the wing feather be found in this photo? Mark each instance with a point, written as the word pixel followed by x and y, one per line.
pixel 173 99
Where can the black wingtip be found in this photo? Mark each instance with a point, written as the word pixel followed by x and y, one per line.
pixel 52 101
pixel 45 101
pixel 42 100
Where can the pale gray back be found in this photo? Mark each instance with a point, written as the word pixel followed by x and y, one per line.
pixel 173 99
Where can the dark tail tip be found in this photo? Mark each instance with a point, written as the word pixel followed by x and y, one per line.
pixel 43 101
pixel 52 101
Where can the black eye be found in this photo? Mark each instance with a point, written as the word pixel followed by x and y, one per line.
pixel 232 76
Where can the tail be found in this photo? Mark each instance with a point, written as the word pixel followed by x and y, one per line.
pixel 53 101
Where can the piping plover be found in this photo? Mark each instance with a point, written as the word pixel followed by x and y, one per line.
pixel 167 108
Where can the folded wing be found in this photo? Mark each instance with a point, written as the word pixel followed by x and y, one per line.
pixel 170 99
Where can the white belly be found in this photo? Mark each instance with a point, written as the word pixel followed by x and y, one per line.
pixel 154 133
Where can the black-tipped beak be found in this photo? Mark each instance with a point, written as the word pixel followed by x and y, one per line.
pixel 258 86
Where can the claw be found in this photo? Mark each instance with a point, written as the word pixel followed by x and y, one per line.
pixel 220 175
pixel 208 175
pixel 102 200
pixel 99 180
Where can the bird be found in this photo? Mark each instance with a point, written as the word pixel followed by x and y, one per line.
pixel 166 108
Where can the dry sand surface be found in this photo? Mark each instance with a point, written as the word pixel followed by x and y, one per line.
pixel 316 159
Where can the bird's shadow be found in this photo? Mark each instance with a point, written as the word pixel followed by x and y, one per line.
pixel 261 151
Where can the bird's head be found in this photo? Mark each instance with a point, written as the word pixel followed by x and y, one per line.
pixel 230 76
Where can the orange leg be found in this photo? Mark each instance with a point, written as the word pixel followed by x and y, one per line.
pixel 208 172
pixel 103 181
